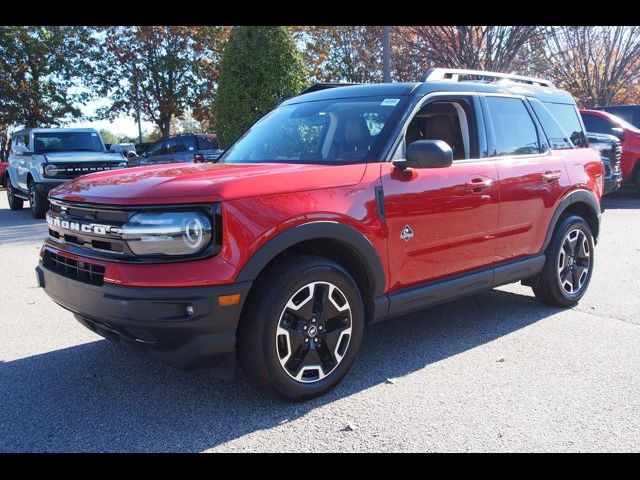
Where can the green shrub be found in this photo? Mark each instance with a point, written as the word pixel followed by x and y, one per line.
pixel 260 67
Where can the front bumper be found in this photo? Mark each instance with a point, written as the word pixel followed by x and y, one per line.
pixel 45 187
pixel 156 320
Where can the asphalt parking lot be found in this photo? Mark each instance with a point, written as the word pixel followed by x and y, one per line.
pixel 495 372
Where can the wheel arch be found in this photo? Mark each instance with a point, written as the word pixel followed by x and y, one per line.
pixel 335 241
pixel 579 202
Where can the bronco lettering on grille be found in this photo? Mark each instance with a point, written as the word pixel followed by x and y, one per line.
pixel 94 228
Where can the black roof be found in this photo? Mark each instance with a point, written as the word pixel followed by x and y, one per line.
pixel 544 94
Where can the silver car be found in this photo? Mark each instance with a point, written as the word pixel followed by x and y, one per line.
pixel 43 158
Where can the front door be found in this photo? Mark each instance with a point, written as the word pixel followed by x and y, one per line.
pixel 441 221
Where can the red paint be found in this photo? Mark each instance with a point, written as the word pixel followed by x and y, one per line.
pixel 464 217
pixel 630 143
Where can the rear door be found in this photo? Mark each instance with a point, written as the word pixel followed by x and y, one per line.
pixel 531 176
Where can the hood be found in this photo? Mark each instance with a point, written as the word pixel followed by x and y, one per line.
pixel 54 157
pixel 199 183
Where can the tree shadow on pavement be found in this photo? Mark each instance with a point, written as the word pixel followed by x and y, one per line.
pixel 103 397
pixel 18 226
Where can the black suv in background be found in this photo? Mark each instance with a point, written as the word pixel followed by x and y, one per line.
pixel 184 148
pixel 610 150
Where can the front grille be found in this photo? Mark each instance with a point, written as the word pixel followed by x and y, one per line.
pixel 73 170
pixel 77 270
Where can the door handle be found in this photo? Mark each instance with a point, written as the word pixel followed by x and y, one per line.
pixel 477 185
pixel 551 176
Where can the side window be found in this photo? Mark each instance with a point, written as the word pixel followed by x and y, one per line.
pixel 157 148
pixel 188 143
pixel 514 130
pixel 596 124
pixel 174 145
pixel 558 138
pixel 451 121
pixel 568 118
pixel 18 141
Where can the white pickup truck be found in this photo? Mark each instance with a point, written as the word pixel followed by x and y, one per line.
pixel 43 158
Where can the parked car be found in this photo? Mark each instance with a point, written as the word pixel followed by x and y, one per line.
pixel 3 173
pixel 127 150
pixel 338 209
pixel 198 148
pixel 610 150
pixel 629 113
pixel 43 158
pixel 597 121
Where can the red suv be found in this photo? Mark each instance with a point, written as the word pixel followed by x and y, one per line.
pixel 340 208
pixel 597 121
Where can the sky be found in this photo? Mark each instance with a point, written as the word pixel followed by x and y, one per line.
pixel 122 125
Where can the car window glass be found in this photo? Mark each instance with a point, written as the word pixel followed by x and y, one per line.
pixel 208 142
pixel 188 143
pixel 514 130
pixel 569 119
pixel 449 121
pixel 157 148
pixel 340 130
pixel 174 145
pixel 558 138
pixel 596 124
pixel 67 141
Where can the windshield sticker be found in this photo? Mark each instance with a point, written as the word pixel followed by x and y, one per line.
pixel 390 102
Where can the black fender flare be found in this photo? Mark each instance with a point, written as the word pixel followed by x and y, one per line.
pixel 350 237
pixel 577 196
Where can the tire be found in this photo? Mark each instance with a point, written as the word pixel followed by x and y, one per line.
pixel 284 313
pixel 569 264
pixel 15 203
pixel 37 202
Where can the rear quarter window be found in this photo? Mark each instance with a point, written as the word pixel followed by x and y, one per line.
pixel 568 118
pixel 558 138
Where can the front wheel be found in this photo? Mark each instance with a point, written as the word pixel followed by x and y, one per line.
pixel 301 332
pixel 15 203
pixel 38 202
pixel 569 264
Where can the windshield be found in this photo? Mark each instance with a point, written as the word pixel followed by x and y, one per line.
pixel 342 130
pixel 67 142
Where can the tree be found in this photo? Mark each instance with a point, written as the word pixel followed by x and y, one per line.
pixel 343 53
pixel 494 48
pixel 164 70
pixel 593 63
pixel 260 67
pixel 39 71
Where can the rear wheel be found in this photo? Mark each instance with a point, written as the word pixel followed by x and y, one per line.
pixel 569 264
pixel 301 332
pixel 15 203
pixel 38 202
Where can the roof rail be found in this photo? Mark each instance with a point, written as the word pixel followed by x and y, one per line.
pixel 323 86
pixel 455 73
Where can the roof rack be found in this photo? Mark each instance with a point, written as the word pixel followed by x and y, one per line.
pixel 455 73
pixel 323 86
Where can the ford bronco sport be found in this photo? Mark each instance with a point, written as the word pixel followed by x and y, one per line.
pixel 43 158
pixel 340 208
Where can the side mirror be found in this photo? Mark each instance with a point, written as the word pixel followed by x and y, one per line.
pixel 618 132
pixel 426 154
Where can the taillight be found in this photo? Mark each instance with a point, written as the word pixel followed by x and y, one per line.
pixel 198 158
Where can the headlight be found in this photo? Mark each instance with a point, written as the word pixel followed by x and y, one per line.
pixel 167 233
pixel 50 170
pixel 123 165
